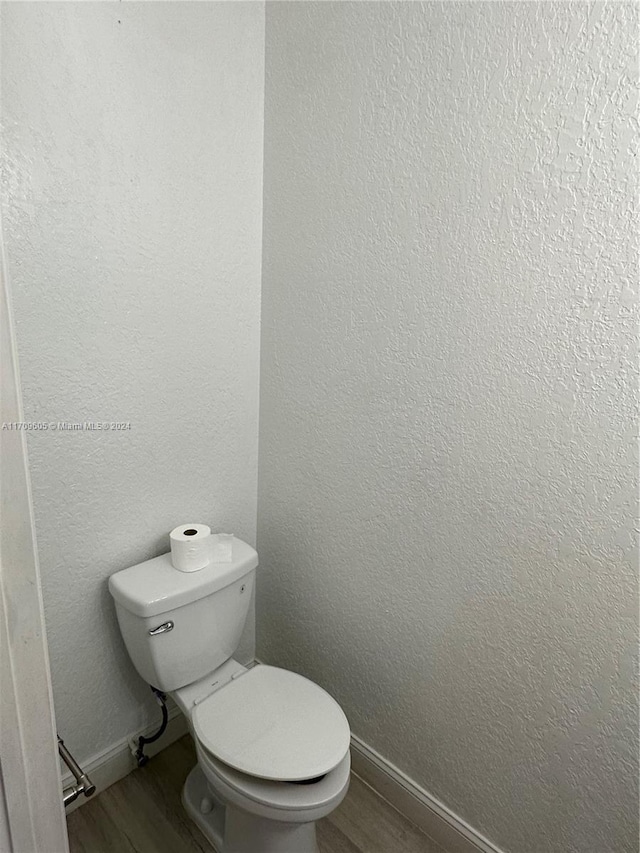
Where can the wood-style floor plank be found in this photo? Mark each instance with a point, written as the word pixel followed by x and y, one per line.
pixel 92 828
pixel 374 826
pixel 331 840
pixel 143 813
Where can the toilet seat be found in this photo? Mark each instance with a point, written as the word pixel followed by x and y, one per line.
pixel 279 796
pixel 273 724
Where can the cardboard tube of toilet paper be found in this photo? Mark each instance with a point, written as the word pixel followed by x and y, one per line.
pixel 190 547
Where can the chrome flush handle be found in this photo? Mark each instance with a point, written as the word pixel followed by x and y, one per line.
pixel 162 629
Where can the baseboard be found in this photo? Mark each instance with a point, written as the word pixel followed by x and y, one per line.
pixel 419 806
pixel 115 762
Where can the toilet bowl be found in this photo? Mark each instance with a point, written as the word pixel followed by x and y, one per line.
pixel 240 814
pixel 273 758
pixel 272 746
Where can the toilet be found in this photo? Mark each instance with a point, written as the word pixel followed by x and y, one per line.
pixel 272 746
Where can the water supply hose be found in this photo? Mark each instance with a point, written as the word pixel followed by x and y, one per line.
pixel 161 697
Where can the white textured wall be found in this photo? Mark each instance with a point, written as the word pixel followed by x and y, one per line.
pixel 133 197
pixel 447 465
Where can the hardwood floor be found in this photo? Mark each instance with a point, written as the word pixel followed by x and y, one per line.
pixel 143 814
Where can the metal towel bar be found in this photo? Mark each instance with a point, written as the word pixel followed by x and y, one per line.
pixel 83 785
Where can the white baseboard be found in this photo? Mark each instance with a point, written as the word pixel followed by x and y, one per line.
pixel 419 806
pixel 115 762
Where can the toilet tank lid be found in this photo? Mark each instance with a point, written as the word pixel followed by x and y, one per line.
pixel 154 587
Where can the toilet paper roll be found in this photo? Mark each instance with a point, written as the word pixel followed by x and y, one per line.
pixel 190 547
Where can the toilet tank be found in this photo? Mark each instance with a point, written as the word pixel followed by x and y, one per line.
pixel 180 626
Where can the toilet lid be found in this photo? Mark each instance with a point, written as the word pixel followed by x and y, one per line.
pixel 273 724
pixel 280 795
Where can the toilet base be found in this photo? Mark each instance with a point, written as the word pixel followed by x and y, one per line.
pixel 195 794
pixel 231 830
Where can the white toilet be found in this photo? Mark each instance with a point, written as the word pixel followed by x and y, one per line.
pixel 273 747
